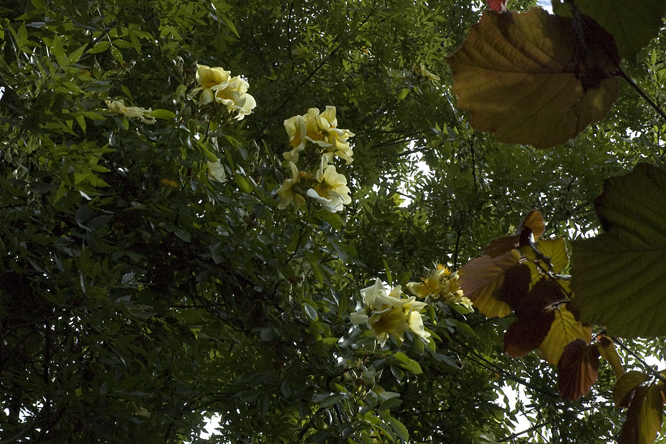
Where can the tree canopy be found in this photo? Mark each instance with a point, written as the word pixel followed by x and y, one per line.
pixel 350 221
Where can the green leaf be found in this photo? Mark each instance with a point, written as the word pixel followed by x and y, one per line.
pixel 311 311
pixel 527 78
pixel 327 400
pixel 82 122
pixel 632 23
pixel 564 329
pixel 399 428
pixel 333 219
pixel 625 385
pixel 100 47
pixel 643 417
pixel 389 279
pixel 58 51
pixel 243 183
pixel 75 56
pixel 619 277
pixel 162 114
pixel 556 250
pixel 407 363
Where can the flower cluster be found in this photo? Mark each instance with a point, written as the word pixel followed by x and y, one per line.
pixel 316 138
pixel 441 284
pixel 118 107
pixel 321 130
pixel 389 314
pixel 218 85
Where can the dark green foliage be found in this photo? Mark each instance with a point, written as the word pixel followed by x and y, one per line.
pixel 138 296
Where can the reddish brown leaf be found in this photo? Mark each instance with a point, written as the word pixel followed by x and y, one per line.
pixel 482 277
pixel 502 245
pixel 578 367
pixel 527 333
pixel 544 294
pixel 516 285
pixel 497 5
pixel 528 231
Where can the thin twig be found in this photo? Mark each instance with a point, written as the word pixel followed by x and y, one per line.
pixel 642 93
pixel 457 250
pixel 639 359
pixel 517 434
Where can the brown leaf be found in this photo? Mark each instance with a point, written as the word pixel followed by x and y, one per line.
pixel 528 77
pixel 578 368
pixel 515 287
pixel 527 332
pixel 543 295
pixel 482 277
pixel 528 231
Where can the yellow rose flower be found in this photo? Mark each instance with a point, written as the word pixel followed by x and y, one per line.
pixel 331 189
pixel 216 171
pixel 296 130
pixel 431 284
pixel 441 283
pixel 236 98
pixel 211 80
pixel 387 314
pixel 218 85
pixel 320 129
pixel 336 139
pixel 286 193
pixel 302 129
pixel 118 107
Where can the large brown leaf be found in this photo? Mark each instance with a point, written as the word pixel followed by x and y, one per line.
pixel 528 78
pixel 481 278
pixel 527 332
pixel 578 368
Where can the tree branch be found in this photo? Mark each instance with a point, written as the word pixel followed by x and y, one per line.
pixel 642 93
